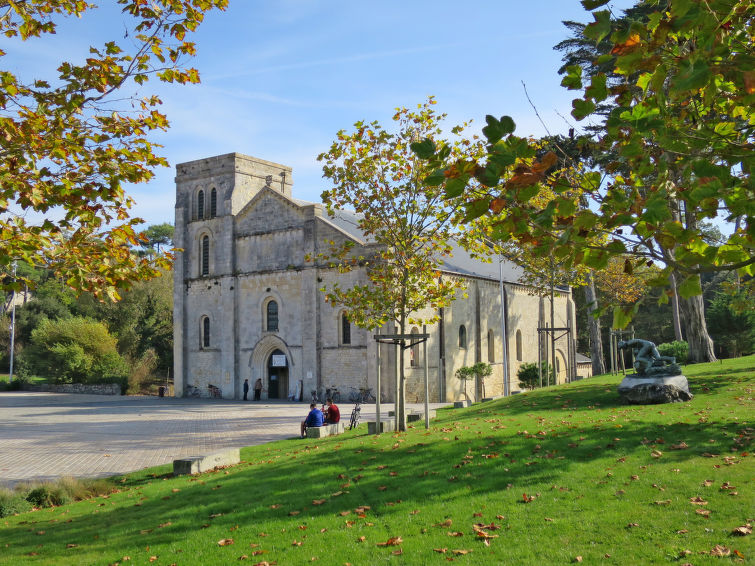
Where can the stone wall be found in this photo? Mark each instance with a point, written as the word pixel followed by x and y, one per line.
pixel 78 388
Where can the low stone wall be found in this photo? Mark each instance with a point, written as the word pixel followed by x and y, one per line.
pixel 80 388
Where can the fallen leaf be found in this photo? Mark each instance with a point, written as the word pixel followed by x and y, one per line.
pixel 398 552
pixel 362 539
pixel 656 453
pixel 577 559
pixel 682 532
pixel 461 552
pixel 393 541
pixel 703 512
pixel 225 542
pixel 680 446
pixel 446 523
pixel 664 502
pixel 697 501
pixel 719 550
pixel 293 513
pixel 455 534
pixel 707 483
pixel 318 502
pixel 440 550
pixel 742 531
pixel 296 543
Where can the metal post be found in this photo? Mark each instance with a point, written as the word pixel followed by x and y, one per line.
pixel 540 357
pixel 427 384
pixel 377 397
pixel 12 326
pixel 398 385
pixel 505 357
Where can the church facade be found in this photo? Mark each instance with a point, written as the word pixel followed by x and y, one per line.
pixel 248 305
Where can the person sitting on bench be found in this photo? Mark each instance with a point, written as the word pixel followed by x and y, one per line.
pixel 332 413
pixel 314 418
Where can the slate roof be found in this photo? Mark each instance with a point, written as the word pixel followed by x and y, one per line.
pixel 461 262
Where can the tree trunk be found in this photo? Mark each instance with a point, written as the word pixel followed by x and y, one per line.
pixel 693 318
pixel 675 309
pixel 596 339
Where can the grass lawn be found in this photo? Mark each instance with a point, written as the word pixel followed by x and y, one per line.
pixel 559 476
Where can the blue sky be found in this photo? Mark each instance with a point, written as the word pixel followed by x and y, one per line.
pixel 280 78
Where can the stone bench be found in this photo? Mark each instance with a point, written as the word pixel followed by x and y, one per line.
pixel 414 416
pixel 462 404
pixel 199 464
pixel 385 426
pixel 325 430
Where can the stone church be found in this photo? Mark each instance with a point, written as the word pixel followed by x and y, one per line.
pixel 248 305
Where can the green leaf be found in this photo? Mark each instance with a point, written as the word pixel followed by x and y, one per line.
pixel 454 187
pixel 424 149
pixel 622 316
pixel 496 129
pixel 690 287
pixel 693 76
pixel 600 28
pixel 475 209
pixel 592 4
pixel 573 78
pixel 435 179
pixel 582 108
pixel 597 89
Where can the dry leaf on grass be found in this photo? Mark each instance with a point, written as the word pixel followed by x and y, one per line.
pixel 455 534
pixel 446 523
pixel 393 541
pixel 697 501
pixel 704 512
pixel 225 542
pixel 719 550
pixel 742 531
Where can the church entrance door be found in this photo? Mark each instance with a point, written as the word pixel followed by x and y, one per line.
pixel 277 374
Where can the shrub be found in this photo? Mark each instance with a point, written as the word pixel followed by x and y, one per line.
pixel 12 503
pixel 676 348
pixel 529 377
pixel 74 350
pixel 49 495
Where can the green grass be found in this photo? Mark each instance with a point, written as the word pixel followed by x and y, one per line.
pixel 609 483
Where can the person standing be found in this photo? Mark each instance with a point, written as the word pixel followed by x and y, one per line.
pixel 257 389
pixel 246 389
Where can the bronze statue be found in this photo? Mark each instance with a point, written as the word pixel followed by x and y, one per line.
pixel 648 362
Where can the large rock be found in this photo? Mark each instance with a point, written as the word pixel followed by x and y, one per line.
pixel 638 390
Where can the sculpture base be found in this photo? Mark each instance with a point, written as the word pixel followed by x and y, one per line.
pixel 640 390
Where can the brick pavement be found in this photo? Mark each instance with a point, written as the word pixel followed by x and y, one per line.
pixel 49 435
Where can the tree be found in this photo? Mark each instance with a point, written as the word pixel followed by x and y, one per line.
pixel 158 235
pixel 73 350
pixel 407 223
pixel 478 372
pixel 529 375
pixel 69 143
pixel 681 131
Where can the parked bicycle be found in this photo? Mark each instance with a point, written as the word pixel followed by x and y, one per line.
pixel 333 393
pixel 192 391
pixel 355 414
pixel 315 398
pixel 361 395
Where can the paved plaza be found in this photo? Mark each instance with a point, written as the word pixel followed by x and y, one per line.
pixel 50 435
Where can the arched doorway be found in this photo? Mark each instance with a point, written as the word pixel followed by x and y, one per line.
pixel 277 375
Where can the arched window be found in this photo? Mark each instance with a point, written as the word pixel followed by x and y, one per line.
pixel 462 336
pixel 205 332
pixel 519 345
pixel 205 255
pixel 345 329
pixel 213 203
pixel 414 351
pixel 200 205
pixel 272 316
pixel 491 346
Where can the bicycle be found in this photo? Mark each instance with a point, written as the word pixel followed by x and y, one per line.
pixel 355 396
pixel 333 393
pixel 367 395
pixel 355 414
pixel 192 391
pixel 315 398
